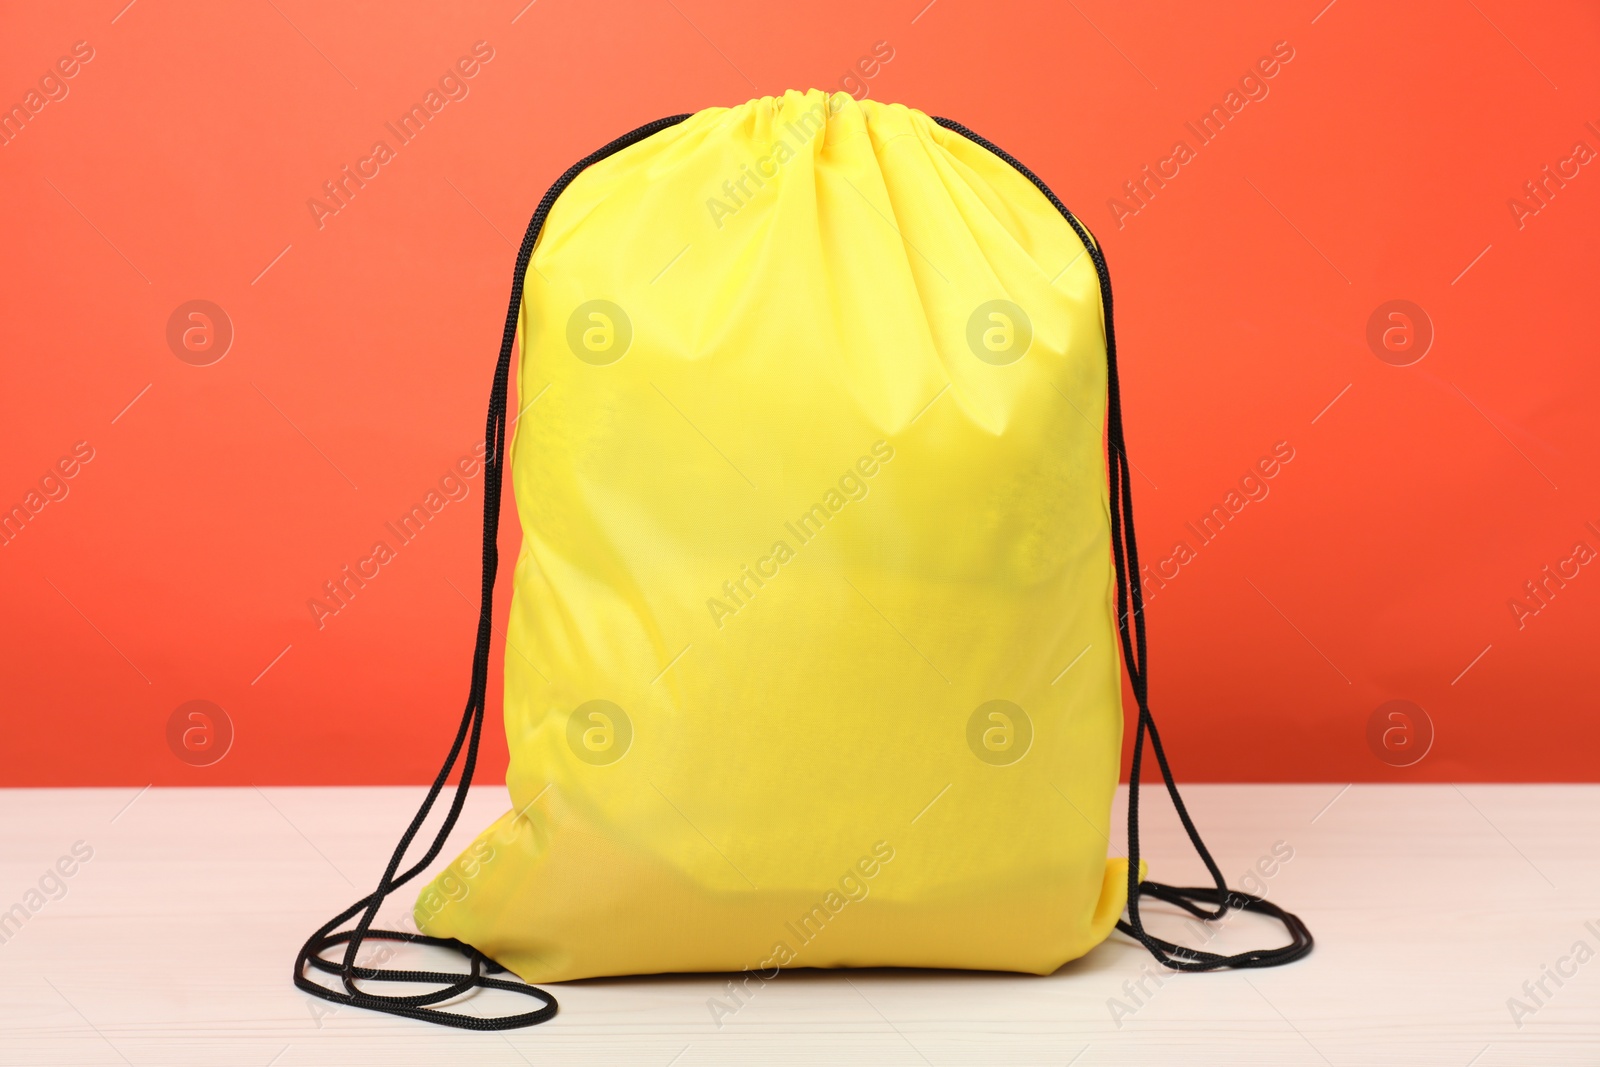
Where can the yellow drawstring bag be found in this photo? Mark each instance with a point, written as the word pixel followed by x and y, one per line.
pixel 813 650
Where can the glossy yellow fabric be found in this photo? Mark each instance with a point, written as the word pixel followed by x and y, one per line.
pixel 795 516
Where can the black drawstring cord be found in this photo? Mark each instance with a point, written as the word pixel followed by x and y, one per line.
pixel 1130 605
pixel 454 983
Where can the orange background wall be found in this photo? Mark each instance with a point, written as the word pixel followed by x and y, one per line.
pixel 1382 164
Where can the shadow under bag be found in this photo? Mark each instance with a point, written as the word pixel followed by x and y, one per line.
pixel 813 653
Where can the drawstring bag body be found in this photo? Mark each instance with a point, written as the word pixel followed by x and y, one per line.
pixel 813 646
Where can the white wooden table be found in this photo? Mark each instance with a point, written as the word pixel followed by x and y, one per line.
pixel 1431 905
